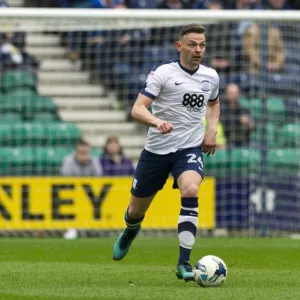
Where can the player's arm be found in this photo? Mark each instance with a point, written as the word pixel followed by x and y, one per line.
pixel 140 112
pixel 212 117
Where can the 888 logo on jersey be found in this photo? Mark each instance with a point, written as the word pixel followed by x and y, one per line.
pixel 193 102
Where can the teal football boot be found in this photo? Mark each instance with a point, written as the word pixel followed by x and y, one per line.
pixel 123 243
pixel 185 271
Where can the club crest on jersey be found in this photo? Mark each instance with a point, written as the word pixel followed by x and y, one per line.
pixel 205 85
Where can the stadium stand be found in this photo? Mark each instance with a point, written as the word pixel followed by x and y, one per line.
pixel 45 115
pixel 67 98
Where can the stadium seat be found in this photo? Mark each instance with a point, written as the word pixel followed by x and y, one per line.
pixel 30 134
pixel 13 79
pixel 5 134
pixel 276 110
pixel 270 135
pixel 38 104
pixel 44 117
pixel 289 135
pixel 17 161
pixel 10 118
pixel 61 134
pixel 244 103
pixel 217 163
pixel 10 104
pixel 242 158
pixel 256 108
pixel 284 161
pixel 49 159
pixel 22 92
pixel 5 160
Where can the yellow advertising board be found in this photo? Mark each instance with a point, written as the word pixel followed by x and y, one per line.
pixel 90 203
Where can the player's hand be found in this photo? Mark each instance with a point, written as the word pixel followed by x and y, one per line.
pixel 209 143
pixel 164 126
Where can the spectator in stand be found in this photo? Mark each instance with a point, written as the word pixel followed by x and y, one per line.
pixel 113 160
pixel 275 49
pixel 276 4
pixel 176 4
pixel 214 4
pixel 237 122
pixel 106 4
pixel 81 163
pixel 141 4
pixel 14 58
pixel 222 47
pixel 241 4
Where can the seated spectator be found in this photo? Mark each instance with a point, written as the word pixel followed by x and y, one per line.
pixel 106 4
pixel 252 48
pixel 221 47
pixel 141 4
pixel 175 4
pixel 14 58
pixel 214 5
pixel 276 4
pixel 241 4
pixel 81 163
pixel 236 121
pixel 113 160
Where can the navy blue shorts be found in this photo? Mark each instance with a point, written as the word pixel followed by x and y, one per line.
pixel 153 169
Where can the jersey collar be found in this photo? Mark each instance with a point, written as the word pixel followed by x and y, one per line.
pixel 186 70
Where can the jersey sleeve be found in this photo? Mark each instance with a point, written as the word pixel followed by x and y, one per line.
pixel 215 92
pixel 154 84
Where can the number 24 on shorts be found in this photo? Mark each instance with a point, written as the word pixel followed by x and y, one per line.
pixel 193 159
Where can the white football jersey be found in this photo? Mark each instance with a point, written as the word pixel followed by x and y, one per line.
pixel 180 97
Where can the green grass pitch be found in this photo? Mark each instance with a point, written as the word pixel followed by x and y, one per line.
pixel 52 269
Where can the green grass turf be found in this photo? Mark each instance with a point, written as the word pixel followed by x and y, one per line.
pixel 52 269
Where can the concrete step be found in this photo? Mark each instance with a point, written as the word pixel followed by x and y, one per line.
pixel 46 52
pixel 85 90
pixel 133 153
pixel 105 128
pixel 63 65
pixel 67 103
pixel 38 39
pixel 130 141
pixel 63 77
pixel 87 116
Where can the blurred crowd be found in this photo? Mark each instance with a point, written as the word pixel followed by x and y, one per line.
pixel 250 57
pixel 168 4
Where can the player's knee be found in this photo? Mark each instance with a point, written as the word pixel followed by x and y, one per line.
pixel 190 191
pixel 134 212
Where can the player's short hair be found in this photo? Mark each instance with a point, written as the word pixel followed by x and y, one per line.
pixel 190 28
pixel 82 142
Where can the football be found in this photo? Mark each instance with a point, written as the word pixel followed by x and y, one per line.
pixel 210 271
